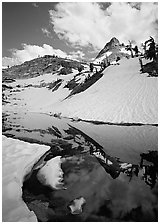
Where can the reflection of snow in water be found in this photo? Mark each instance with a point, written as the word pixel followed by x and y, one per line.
pixel 125 165
pixel 98 155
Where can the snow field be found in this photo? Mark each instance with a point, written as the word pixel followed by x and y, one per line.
pixel 122 95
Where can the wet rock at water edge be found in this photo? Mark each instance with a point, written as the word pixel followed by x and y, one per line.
pixel 76 205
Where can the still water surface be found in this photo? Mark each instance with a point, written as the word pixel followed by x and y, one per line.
pixel 110 192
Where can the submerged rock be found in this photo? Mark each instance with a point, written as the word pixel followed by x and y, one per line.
pixel 76 205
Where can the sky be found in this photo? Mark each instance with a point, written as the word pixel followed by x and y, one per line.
pixel 78 30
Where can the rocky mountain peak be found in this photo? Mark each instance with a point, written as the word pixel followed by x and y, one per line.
pixel 113 44
pixel 112 50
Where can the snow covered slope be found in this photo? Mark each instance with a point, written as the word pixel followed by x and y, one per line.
pixel 122 95
pixel 18 159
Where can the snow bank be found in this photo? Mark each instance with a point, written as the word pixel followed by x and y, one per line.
pixel 51 173
pixel 18 158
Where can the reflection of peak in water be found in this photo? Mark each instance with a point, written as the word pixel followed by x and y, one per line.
pixel 110 164
pixel 119 141
pixel 71 140
pixel 113 166
pixel 83 176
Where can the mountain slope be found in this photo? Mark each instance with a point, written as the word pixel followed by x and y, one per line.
pixel 40 66
pixel 122 95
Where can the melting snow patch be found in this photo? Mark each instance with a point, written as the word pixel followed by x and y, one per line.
pixel 51 173
pixel 76 205
pixel 109 162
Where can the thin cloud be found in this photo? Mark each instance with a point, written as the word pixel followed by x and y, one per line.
pixel 82 24
pixel 46 32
